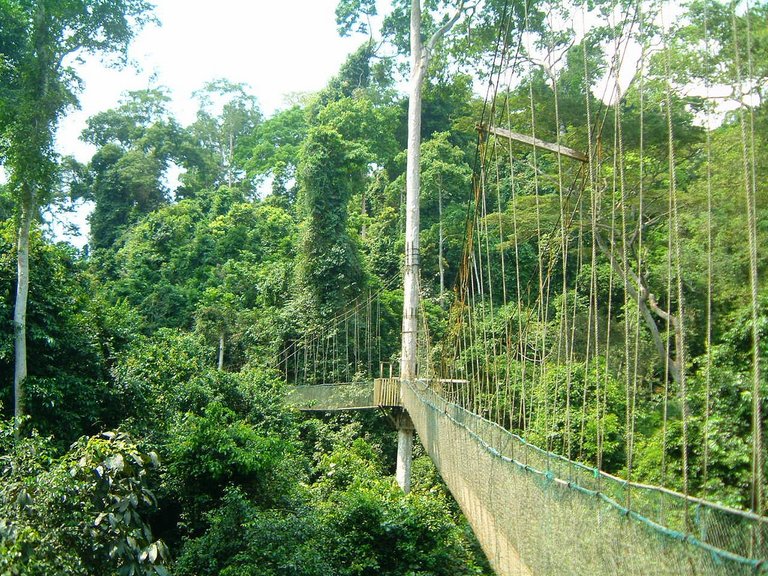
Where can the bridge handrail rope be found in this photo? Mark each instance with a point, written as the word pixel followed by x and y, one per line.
pixel 597 473
pixel 331 384
pixel 749 167
pixel 308 338
pixel 474 303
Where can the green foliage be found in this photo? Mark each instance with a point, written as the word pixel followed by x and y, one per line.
pixel 140 112
pixel 41 83
pixel 159 376
pixel 563 418
pixel 126 185
pixel 227 117
pixel 159 379
pixel 354 76
pixel 350 520
pixel 727 430
pixel 82 513
pixel 241 259
pixel 446 187
pixel 138 142
pixel 369 125
pixel 160 265
pixel 71 334
pixel 446 107
pixel 350 14
pixel 716 23
pixel 245 539
pixel 216 450
pixel 329 268
pixel 6 203
pixel 259 233
pixel 382 243
pixel 376 529
pixel 276 144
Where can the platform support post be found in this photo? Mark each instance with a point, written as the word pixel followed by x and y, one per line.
pixel 405 433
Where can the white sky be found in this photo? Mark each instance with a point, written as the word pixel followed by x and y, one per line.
pixel 278 47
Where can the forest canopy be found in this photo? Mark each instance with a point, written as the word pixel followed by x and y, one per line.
pixel 144 427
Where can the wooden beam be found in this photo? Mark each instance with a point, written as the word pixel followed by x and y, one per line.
pixel 557 149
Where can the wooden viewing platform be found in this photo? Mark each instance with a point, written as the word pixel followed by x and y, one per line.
pixel 386 392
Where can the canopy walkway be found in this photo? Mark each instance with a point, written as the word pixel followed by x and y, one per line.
pixel 537 513
pixel 608 310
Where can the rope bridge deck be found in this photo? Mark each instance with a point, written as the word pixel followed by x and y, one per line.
pixel 536 513
pixel 381 393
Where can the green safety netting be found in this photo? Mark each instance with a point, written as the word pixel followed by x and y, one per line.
pixel 332 397
pixel 538 513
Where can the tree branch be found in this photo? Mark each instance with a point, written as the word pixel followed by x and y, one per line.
pixel 443 30
pixel 647 304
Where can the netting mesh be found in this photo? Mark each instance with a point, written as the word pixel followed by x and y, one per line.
pixel 332 397
pixel 537 513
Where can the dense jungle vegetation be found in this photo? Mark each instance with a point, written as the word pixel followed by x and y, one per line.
pixel 155 438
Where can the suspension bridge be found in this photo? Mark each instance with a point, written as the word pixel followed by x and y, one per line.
pixel 602 350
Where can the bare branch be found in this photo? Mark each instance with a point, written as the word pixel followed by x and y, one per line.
pixel 443 30
pixel 536 142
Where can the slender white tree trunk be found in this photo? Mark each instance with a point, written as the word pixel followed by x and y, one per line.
pixel 411 272
pixel 20 307
pixel 221 350
pixel 420 55
pixel 419 61
pixel 230 159
pixel 412 187
pixel 440 243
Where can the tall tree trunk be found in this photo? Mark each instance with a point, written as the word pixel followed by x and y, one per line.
pixel 440 242
pixel 20 306
pixel 419 62
pixel 364 213
pixel 221 350
pixel 29 188
pixel 230 158
pixel 420 55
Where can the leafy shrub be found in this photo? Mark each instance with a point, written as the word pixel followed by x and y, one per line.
pixel 245 540
pixel 82 513
pixel 211 452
